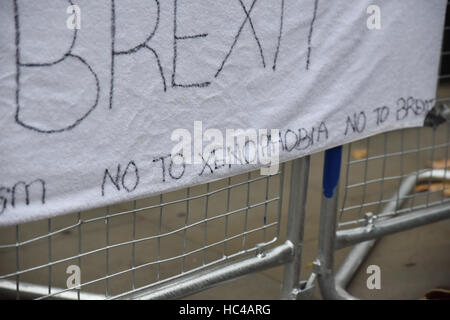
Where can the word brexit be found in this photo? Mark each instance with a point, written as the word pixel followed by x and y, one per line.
pixel 180 44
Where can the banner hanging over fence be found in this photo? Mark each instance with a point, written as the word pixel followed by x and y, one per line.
pixel 111 100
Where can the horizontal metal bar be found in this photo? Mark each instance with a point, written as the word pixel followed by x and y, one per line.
pixel 234 255
pixel 384 227
pixel 361 250
pixel 194 283
pixel 33 291
pixel 170 290
pixel 403 152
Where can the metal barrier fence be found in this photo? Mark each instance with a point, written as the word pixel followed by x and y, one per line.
pixel 180 243
pixel 177 244
pixel 402 183
pixel 402 180
pixel 183 242
pixel 167 246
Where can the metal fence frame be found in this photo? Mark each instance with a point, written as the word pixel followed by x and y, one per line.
pixel 333 285
pixel 288 253
pixel 187 283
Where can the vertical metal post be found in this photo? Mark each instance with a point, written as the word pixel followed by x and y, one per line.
pixel 327 229
pixel 295 230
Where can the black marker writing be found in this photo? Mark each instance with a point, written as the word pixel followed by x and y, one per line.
pixel 247 19
pixel 126 180
pixel 382 114
pixel 144 45
pixel 177 38
pixel 67 121
pixel 412 105
pixel 21 190
pixel 357 123
pixel 311 28
pixel 171 169
pixel 275 59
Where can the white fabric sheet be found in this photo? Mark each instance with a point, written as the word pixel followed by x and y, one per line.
pixel 87 115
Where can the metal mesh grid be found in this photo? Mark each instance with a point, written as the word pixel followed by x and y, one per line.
pixel 374 180
pixel 377 168
pixel 124 247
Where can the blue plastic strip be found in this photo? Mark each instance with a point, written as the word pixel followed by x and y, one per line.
pixel 331 170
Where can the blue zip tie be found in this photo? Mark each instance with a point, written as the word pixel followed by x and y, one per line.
pixel 331 170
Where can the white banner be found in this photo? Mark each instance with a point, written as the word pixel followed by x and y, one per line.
pixel 111 100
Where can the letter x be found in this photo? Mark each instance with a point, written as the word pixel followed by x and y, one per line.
pixel 249 20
